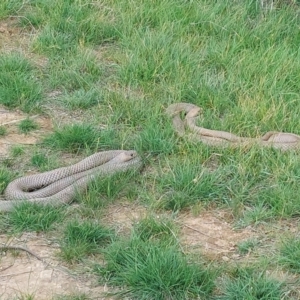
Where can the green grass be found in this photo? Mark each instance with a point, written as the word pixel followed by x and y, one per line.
pixel 27 125
pixel 8 7
pixel 105 190
pixel 247 284
pixel 39 160
pixel 187 183
pixel 84 238
pixel 78 137
pixel 5 177
pixel 82 99
pixel 78 71
pixel 26 296
pixel 18 86
pixel 3 131
pixel 290 254
pixel 150 270
pixel 156 228
pixel 69 23
pixel 17 150
pixel 247 246
pixel 34 217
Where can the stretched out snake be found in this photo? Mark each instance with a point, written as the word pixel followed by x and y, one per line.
pixel 59 186
pixel 279 140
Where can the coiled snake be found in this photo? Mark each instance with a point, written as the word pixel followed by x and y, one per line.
pixel 61 185
pixel 279 140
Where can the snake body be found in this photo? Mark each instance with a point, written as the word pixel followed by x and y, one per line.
pixel 279 140
pixel 61 185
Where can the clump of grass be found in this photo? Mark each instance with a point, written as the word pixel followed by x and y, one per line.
pixel 27 125
pixel 3 131
pixel 247 284
pixel 186 183
pixel 156 138
pixel 155 228
pixel 5 177
pixel 103 190
pixel 245 247
pixel 44 161
pixel 34 217
pixel 18 88
pixel 81 239
pixel 72 297
pixel 282 199
pixel 8 7
pixel 290 254
pixel 81 99
pixel 149 270
pixel 77 137
pixel 255 215
pixel 39 160
pixel 17 150
pixel 27 296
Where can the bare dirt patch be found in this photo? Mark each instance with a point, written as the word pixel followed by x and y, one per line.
pixel 22 274
pixel 123 215
pixel 11 36
pixel 212 234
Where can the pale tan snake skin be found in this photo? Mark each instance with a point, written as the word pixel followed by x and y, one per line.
pixel 61 185
pixel 279 140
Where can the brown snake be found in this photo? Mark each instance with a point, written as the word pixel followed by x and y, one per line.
pixel 59 186
pixel 279 140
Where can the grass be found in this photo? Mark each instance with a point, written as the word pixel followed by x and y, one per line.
pixel 82 99
pixel 5 177
pixel 79 137
pixel 17 151
pixel 155 228
pixel 73 297
pixel 18 86
pixel 80 71
pixel 248 284
pixel 27 296
pixel 34 217
pixel 247 246
pixel 149 270
pixel 3 131
pixel 39 160
pixel 27 125
pixel 70 23
pixel 81 239
pixel 103 191
pixel 187 183
pixel 114 67
pixel 290 253
pixel 8 7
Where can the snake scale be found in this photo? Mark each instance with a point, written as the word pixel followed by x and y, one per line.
pixel 59 186
pixel 279 140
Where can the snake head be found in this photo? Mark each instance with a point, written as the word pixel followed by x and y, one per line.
pixel 124 156
pixel 194 112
